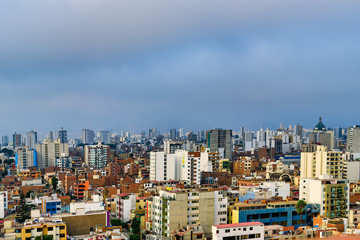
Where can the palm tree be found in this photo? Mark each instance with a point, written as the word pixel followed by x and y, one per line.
pixel 300 208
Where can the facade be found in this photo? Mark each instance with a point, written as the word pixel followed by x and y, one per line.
pixel 97 156
pixel 17 140
pixel 5 140
pixel 25 158
pixel 218 140
pixel 353 140
pixel 62 135
pixel 171 211
pixel 125 203
pixel 4 203
pixel 105 137
pixel 87 136
pixel 172 147
pixel 274 213
pixel 49 151
pixel 64 162
pixel 55 229
pixel 51 205
pixel 236 231
pixel 277 189
pixel 182 165
pixel 31 139
pixel 321 162
pixel 331 194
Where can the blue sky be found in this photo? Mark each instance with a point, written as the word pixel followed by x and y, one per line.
pixel 200 64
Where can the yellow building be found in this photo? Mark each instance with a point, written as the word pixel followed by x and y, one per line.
pixel 321 162
pixel 57 230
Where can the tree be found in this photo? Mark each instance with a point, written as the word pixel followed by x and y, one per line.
pixel 54 183
pixel 117 222
pixel 300 208
pixel 135 229
pixel 24 211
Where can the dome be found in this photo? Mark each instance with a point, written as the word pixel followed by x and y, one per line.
pixel 320 126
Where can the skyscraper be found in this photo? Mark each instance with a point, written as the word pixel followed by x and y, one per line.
pixel 105 137
pixel 218 139
pixel 49 151
pixel 16 140
pixel 5 140
pixel 173 134
pixel 62 135
pixel 353 139
pixel 31 139
pixel 87 136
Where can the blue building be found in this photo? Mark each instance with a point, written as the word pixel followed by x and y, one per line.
pixel 274 213
pixel 51 206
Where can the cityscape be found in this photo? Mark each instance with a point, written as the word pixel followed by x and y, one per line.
pixel 292 181
pixel 179 120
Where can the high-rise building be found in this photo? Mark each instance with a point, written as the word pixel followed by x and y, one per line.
pixel 182 165
pixel 16 140
pixel 49 151
pixel 298 130
pixel 62 135
pixel 105 137
pixel 331 194
pixel 31 139
pixel 5 140
pixel 25 158
pixel 353 140
pixel 152 133
pixel 173 134
pixel 220 138
pixel 97 156
pixel 176 210
pixel 321 162
pixel 87 136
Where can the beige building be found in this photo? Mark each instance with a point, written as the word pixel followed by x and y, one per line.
pixel 49 151
pixel 321 162
pixel 171 211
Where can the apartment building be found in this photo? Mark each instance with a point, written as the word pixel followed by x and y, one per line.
pixel 331 194
pixel 171 211
pixel 321 162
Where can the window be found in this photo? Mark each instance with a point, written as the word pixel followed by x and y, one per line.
pixel 227 230
pixel 251 228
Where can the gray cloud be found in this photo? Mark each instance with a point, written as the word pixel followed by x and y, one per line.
pixel 192 64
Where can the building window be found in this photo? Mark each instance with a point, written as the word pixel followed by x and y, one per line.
pixel 227 230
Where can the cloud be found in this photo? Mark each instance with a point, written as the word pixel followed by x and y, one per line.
pixel 193 64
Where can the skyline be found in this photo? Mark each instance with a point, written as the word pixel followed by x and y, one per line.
pixel 195 65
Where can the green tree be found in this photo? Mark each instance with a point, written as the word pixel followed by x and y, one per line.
pixel 44 237
pixel 117 222
pixel 300 208
pixel 135 226
pixel 54 183
pixel 24 210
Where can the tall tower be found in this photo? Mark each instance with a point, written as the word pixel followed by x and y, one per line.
pixel 220 138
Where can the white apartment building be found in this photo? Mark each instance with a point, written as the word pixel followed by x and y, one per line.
pixel 221 204
pixel 277 189
pixel 235 231
pixel 124 204
pixel 331 194
pixel 49 151
pixel 3 203
pixel 182 165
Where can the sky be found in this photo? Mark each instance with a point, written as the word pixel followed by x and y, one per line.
pixel 192 64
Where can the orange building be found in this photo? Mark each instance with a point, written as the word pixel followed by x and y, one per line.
pixel 81 188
